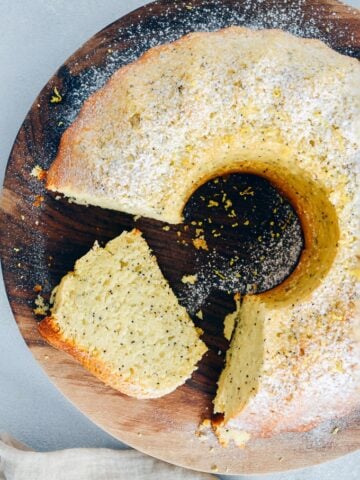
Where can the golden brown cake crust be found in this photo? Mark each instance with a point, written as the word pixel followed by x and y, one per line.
pixel 50 332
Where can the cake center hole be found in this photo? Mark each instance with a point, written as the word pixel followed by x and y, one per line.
pixel 248 236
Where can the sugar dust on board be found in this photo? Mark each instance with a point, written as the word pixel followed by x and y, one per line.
pixel 247 237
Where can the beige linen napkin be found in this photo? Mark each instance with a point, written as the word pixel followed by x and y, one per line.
pixel 17 462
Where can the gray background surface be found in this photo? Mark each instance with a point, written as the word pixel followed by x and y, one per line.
pixel 35 38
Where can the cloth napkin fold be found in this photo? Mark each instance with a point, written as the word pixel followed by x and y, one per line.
pixel 18 462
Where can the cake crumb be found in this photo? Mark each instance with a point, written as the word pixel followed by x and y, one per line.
pixel 191 279
pixel 38 172
pixel 226 435
pixel 38 200
pixel 206 423
pixel 203 429
pixel 200 243
pixel 199 314
pixel 41 306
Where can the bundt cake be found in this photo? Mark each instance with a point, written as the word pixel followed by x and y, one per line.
pixel 262 102
pixel 116 314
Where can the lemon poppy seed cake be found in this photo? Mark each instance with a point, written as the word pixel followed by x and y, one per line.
pixel 116 314
pixel 261 102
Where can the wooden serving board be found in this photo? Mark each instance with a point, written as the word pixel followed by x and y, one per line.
pixel 41 237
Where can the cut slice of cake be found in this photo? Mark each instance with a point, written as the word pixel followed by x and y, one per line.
pixel 117 315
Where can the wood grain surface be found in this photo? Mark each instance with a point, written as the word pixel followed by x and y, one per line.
pixel 42 235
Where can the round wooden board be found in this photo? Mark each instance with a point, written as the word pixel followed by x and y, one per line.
pixel 41 237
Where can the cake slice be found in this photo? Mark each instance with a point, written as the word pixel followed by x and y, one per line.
pixel 117 315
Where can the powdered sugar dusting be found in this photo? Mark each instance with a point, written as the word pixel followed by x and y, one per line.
pixel 170 26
